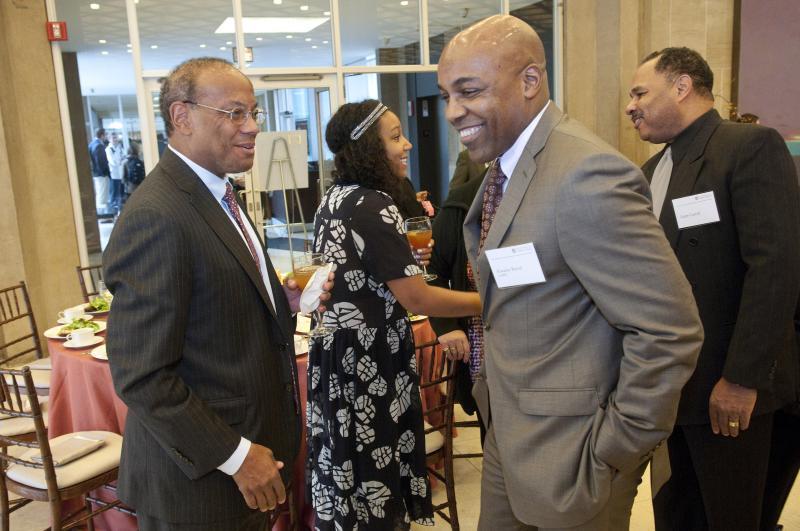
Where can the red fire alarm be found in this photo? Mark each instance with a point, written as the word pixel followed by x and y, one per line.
pixel 56 31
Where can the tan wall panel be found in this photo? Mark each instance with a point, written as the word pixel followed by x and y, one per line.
pixel 35 149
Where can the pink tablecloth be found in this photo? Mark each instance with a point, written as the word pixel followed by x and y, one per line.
pixel 82 397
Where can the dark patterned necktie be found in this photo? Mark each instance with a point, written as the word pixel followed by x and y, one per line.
pixel 233 206
pixel 492 195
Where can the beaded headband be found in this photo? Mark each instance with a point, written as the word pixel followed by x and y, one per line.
pixel 368 121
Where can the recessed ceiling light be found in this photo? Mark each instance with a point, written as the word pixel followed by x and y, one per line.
pixel 314 46
pixel 104 52
pixel 324 42
pixel 202 46
pixel 129 51
pixel 259 38
pixel 102 41
pixel 277 2
pixel 222 48
pixel 308 39
pixel 272 24
pixel 289 37
pixel 327 13
pixel 129 45
pixel 154 46
pixel 404 3
pixel 94 6
pixel 303 8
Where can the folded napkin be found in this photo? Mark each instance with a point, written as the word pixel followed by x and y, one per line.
pixel 309 300
pixel 71 448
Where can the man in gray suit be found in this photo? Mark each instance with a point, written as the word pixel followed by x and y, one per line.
pixel 200 332
pixel 585 358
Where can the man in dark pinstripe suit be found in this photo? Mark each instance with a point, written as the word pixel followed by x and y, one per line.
pixel 200 335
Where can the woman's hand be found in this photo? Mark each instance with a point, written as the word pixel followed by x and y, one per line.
pixel 423 256
pixel 455 345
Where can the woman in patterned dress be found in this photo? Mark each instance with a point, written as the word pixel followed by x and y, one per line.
pixel 366 446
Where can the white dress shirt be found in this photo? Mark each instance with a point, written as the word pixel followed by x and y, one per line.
pixel 509 159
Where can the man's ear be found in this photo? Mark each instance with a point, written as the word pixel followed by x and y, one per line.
pixel 684 86
pixel 181 117
pixel 533 78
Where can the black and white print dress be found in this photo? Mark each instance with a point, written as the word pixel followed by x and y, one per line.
pixel 366 445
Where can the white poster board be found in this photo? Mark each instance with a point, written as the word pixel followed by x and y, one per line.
pixel 281 153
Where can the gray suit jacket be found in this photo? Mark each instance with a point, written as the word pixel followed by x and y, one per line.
pixel 584 371
pixel 196 351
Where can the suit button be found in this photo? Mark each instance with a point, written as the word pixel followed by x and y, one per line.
pixel 282 347
pixel 693 242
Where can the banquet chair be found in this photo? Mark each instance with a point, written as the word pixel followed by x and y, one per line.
pixel 19 336
pixel 30 472
pixel 89 278
pixel 437 372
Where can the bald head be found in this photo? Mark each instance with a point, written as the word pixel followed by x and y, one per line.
pixel 493 78
pixel 508 38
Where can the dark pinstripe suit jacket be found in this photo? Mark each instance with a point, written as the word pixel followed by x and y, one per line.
pixel 196 351
pixel 745 269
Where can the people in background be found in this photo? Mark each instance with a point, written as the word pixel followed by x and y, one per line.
pixel 200 338
pixel 589 326
pixel 466 170
pixel 461 339
pixel 115 152
pixel 726 195
pixel 100 172
pixel 132 171
pixel 366 444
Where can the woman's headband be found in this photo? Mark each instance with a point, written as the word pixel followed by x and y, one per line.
pixel 368 121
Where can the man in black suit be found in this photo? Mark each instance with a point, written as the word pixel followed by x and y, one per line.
pixel 200 333
pixel 727 197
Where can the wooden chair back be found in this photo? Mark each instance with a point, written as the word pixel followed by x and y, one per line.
pixel 18 333
pixel 437 372
pixel 89 278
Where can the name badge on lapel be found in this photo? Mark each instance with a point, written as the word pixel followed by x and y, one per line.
pixel 694 210
pixel 516 265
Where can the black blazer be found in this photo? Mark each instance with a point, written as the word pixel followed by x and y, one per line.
pixel 745 269
pixel 196 351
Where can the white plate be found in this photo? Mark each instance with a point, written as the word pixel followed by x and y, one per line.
pixel 71 344
pixel 52 333
pixel 85 317
pixel 99 353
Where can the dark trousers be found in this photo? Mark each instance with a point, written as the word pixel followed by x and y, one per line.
pixel 784 463
pixel 256 521
pixel 717 482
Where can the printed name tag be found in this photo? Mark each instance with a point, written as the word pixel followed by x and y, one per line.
pixel 515 266
pixel 694 210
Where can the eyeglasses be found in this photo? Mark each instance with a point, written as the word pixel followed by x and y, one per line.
pixel 237 116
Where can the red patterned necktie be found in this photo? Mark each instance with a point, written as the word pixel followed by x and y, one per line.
pixel 492 195
pixel 233 206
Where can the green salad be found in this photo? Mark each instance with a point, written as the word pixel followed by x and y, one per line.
pixel 76 324
pixel 99 304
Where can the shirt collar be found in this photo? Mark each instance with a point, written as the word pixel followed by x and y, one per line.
pixel 686 137
pixel 215 184
pixel 509 159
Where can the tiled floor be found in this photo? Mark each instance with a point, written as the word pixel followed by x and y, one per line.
pixel 468 488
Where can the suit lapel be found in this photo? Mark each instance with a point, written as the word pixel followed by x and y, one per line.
pixel 216 218
pixel 684 177
pixel 512 198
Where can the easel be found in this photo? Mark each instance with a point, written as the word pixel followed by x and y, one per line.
pixel 283 161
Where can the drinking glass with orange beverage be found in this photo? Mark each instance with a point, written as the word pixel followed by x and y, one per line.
pixel 303 266
pixel 419 233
